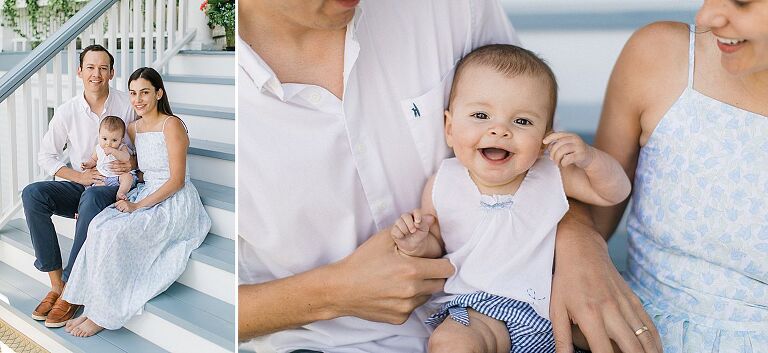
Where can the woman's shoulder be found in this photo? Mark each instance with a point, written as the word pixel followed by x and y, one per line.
pixel 662 42
pixel 654 58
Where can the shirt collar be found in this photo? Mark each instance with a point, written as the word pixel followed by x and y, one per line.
pixel 262 75
pixel 87 108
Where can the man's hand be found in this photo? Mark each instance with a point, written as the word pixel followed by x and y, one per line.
pixel 378 283
pixel 120 167
pixel 588 291
pixel 90 177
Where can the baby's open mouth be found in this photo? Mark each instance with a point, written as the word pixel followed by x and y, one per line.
pixel 494 154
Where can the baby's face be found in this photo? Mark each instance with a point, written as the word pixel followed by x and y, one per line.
pixel 496 126
pixel 110 138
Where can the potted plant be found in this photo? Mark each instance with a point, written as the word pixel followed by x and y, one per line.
pixel 221 13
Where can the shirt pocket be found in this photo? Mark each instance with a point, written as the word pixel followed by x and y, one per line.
pixel 425 117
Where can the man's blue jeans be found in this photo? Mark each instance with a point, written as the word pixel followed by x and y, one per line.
pixel 62 198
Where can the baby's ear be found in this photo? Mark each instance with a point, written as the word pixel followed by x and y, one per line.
pixel 448 127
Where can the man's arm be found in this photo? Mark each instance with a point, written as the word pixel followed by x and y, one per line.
pixel 374 283
pixel 51 150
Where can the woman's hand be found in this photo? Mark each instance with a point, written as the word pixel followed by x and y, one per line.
pixel 126 206
pixel 589 292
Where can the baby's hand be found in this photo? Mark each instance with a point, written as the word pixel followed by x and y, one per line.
pixel 411 230
pixel 567 148
pixel 87 165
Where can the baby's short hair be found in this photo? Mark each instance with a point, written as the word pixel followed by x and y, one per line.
pixel 512 61
pixel 112 123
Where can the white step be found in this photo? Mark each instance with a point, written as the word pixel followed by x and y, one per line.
pixel 180 319
pixel 203 90
pixel 209 123
pixel 195 62
pixel 212 162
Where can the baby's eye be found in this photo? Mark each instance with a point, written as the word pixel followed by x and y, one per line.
pixel 479 115
pixel 523 121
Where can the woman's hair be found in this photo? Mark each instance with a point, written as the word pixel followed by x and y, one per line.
pixel 149 74
pixel 512 61
pixel 112 123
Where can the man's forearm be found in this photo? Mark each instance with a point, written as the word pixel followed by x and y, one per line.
pixel 68 174
pixel 284 303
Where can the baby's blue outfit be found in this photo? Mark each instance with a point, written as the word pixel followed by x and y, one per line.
pixel 698 228
pixel 129 258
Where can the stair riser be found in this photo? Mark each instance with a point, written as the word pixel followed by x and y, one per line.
pixel 173 338
pixel 201 93
pixel 156 330
pixel 210 129
pixel 214 65
pixel 209 280
pixel 213 170
pixel 223 222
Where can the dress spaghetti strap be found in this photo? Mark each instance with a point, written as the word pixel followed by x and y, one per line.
pixel 173 116
pixel 691 54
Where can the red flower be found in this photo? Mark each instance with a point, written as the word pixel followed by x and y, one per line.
pixel 203 5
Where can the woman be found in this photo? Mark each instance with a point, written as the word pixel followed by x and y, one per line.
pixel 686 114
pixel 138 247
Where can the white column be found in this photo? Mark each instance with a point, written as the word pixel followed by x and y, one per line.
pixel 196 20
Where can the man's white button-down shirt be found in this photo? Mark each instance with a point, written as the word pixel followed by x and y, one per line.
pixel 319 175
pixel 75 126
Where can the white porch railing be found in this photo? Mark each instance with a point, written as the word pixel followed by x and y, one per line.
pixel 137 32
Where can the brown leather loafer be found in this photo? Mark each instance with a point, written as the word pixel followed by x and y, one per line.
pixel 41 311
pixel 61 312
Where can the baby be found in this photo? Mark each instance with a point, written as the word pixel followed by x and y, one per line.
pixel 499 201
pixel 109 149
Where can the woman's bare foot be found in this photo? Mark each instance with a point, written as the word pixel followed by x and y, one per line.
pixel 86 328
pixel 71 324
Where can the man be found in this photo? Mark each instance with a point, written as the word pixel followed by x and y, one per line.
pixel 75 125
pixel 354 97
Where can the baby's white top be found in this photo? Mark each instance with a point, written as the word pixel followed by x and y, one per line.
pixel 103 160
pixel 500 244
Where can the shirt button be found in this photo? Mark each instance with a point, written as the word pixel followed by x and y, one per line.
pixel 380 206
pixel 315 97
pixel 359 148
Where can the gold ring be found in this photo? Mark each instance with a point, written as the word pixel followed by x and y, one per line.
pixel 640 331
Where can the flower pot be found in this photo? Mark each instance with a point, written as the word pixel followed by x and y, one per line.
pixel 229 33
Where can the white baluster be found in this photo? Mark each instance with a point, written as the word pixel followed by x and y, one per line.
pixel 137 34
pixel 149 14
pixel 14 180
pixel 98 30
pixel 160 31
pixel 41 118
pixel 183 17
pixel 112 37
pixel 58 83
pixel 29 117
pixel 125 45
pixel 171 23
pixel 74 62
